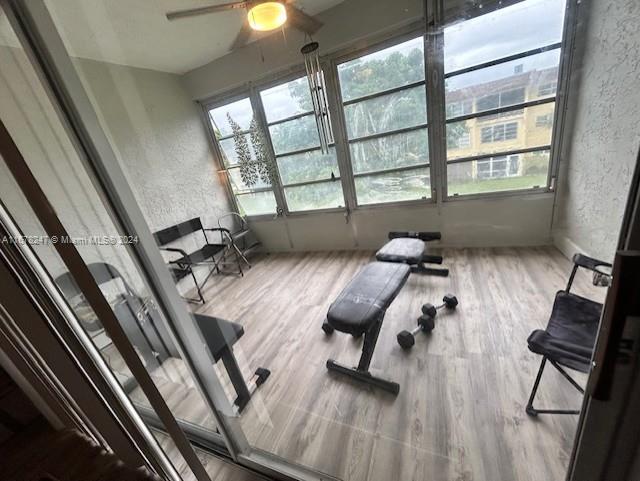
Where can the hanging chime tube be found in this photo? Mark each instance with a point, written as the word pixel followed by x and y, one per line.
pixel 318 93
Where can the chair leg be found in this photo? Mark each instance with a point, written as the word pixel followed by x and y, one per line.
pixel 531 411
pixel 195 281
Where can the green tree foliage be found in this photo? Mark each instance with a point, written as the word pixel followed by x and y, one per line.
pixel 264 163
pixel 248 172
pixel 405 108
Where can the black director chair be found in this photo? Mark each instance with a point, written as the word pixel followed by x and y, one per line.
pixel 182 266
pixel 570 335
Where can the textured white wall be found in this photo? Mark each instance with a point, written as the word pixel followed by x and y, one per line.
pixel 600 152
pixel 162 145
pixel 159 139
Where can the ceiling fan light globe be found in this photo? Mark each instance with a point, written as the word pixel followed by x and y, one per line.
pixel 267 16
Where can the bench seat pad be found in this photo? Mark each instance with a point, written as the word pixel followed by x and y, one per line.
pixel 367 296
pixel 402 249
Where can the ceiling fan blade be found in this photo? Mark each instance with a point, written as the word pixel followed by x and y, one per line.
pixel 243 36
pixel 192 12
pixel 302 21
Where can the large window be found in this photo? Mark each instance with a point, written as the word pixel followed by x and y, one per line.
pixel 502 140
pixel 253 193
pixel 385 111
pixel 500 85
pixel 310 179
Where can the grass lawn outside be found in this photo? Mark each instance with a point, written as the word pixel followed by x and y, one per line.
pixel 496 185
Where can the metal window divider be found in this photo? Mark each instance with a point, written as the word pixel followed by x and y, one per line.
pixel 258 109
pixel 436 115
pixel 278 191
pixel 340 139
pixel 561 114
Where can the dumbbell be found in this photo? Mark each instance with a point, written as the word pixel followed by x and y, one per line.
pixel 407 339
pixel 426 322
pixel 449 301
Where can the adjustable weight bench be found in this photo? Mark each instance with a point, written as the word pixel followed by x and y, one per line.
pixel 360 309
pixel 410 248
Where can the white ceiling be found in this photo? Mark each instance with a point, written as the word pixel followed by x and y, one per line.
pixel 137 33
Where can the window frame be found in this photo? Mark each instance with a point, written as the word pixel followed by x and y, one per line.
pixel 372 47
pixel 221 169
pixel 257 89
pixel 436 119
pixel 552 169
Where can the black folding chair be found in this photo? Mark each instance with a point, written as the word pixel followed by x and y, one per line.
pixel 570 335
pixel 182 266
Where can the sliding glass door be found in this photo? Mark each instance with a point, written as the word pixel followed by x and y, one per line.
pixel 132 231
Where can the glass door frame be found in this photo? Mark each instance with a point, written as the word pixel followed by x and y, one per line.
pixel 43 44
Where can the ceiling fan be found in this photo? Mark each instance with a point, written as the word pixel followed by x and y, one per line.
pixel 261 16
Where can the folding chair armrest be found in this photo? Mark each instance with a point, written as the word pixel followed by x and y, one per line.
pixel 587 262
pixel 581 260
pixel 179 251
pixel 218 229
pixel 224 233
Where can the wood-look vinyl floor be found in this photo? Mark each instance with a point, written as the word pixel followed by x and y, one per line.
pixel 460 412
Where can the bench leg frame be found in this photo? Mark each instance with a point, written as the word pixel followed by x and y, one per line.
pixel 361 373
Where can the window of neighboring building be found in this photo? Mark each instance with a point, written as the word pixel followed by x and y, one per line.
pixel 518 79
pixel 499 132
pixel 547 89
pixel 385 110
pixel 498 167
pixel 463 107
pixel 545 120
pixel 258 198
pixel 500 99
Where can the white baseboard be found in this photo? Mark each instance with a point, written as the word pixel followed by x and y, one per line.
pixel 567 246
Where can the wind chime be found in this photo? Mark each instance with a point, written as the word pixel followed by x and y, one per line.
pixel 318 94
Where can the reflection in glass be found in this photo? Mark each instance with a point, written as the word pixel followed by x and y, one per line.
pixel 286 100
pixel 518 28
pixel 292 135
pixel 324 195
pixel 393 186
pixel 308 166
pixel 516 129
pixel 257 203
pixel 502 85
pixel 390 152
pixel 237 184
pixel 385 69
pixel 240 111
pixel 498 173
pixel 398 110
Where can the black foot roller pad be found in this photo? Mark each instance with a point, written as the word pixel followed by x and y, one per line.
pixel 408 251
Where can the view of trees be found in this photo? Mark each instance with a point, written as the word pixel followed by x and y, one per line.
pixel 381 156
